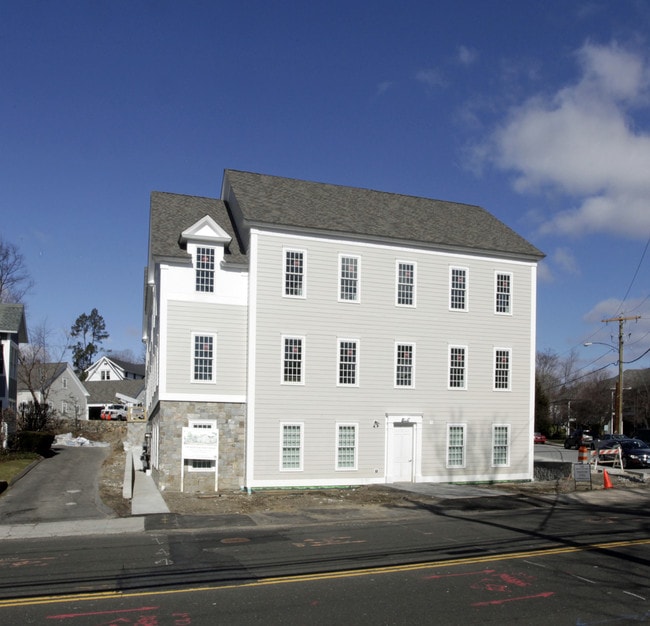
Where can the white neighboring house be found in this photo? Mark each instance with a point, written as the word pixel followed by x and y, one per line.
pixel 107 368
pixel 307 334
pixel 59 386
pixel 13 332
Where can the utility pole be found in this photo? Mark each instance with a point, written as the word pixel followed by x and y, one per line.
pixel 619 392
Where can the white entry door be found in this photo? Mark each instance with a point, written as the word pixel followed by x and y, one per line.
pixel 401 452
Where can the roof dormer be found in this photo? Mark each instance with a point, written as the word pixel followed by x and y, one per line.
pixel 207 231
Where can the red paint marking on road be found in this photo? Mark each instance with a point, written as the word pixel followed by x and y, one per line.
pixel 545 594
pixel 73 615
pixel 235 540
pixel 502 582
pixel 438 576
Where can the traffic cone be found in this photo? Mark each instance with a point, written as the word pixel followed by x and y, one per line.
pixel 607 483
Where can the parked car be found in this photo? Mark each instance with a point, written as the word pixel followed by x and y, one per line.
pixel 643 434
pixel 579 438
pixel 634 452
pixel 539 438
pixel 610 439
pixel 114 412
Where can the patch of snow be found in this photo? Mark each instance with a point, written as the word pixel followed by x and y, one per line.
pixel 77 442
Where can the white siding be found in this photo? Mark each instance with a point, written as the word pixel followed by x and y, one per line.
pixel 228 325
pixel 378 323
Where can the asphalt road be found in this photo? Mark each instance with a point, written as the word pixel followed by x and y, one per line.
pixel 538 560
pixel 536 563
pixel 63 487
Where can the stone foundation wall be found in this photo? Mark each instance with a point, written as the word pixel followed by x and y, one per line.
pixel 171 417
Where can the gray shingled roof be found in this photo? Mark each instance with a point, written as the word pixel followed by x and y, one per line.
pixel 271 201
pixel 104 391
pixel 12 320
pixel 173 213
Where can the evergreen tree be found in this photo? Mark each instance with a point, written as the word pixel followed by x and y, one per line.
pixel 90 332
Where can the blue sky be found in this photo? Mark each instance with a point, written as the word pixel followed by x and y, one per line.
pixel 537 111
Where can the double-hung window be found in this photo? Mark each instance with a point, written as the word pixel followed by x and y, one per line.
pixel 405 288
pixel 292 360
pixel 404 365
pixel 348 358
pixel 456 445
pixel 457 367
pixel 500 445
pixel 203 365
pixel 346 446
pixel 349 278
pixel 503 294
pixel 291 447
pixel 205 269
pixel 458 288
pixel 502 369
pixel 294 273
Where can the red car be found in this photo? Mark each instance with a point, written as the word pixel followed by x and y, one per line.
pixel 539 438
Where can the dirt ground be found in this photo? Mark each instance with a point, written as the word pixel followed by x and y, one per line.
pixel 112 476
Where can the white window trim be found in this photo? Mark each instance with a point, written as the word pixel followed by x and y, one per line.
pixel 494 365
pixel 303 295
pixel 494 427
pixel 302 360
pixel 496 283
pixel 355 425
pixel 466 270
pixel 465 371
pixel 302 446
pixel 447 446
pixel 213 270
pixel 339 341
pixel 415 283
pixel 413 353
pixel 358 259
pixel 194 335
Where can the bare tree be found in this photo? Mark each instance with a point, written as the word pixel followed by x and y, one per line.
pixel 15 280
pixel 36 373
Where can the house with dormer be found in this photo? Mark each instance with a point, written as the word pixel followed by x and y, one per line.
pixel 304 334
pixel 108 368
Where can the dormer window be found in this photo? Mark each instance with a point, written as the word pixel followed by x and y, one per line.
pixel 205 269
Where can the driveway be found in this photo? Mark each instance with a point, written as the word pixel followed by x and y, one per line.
pixel 60 488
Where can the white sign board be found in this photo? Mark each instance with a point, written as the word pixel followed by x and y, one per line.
pixel 582 472
pixel 200 443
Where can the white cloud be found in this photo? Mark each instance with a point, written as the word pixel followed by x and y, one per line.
pixel 563 258
pixel 585 141
pixel 431 77
pixel 466 56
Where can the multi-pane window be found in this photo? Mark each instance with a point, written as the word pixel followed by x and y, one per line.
pixel 346 446
pixel 348 360
pixel 205 269
pixel 458 288
pixel 500 445
pixel 294 273
pixel 502 368
pixel 503 293
pixel 200 465
pixel 291 453
pixel 405 284
pixel 292 360
pixel 457 367
pixel 105 375
pixel 404 363
pixel 456 445
pixel 349 278
pixel 203 361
